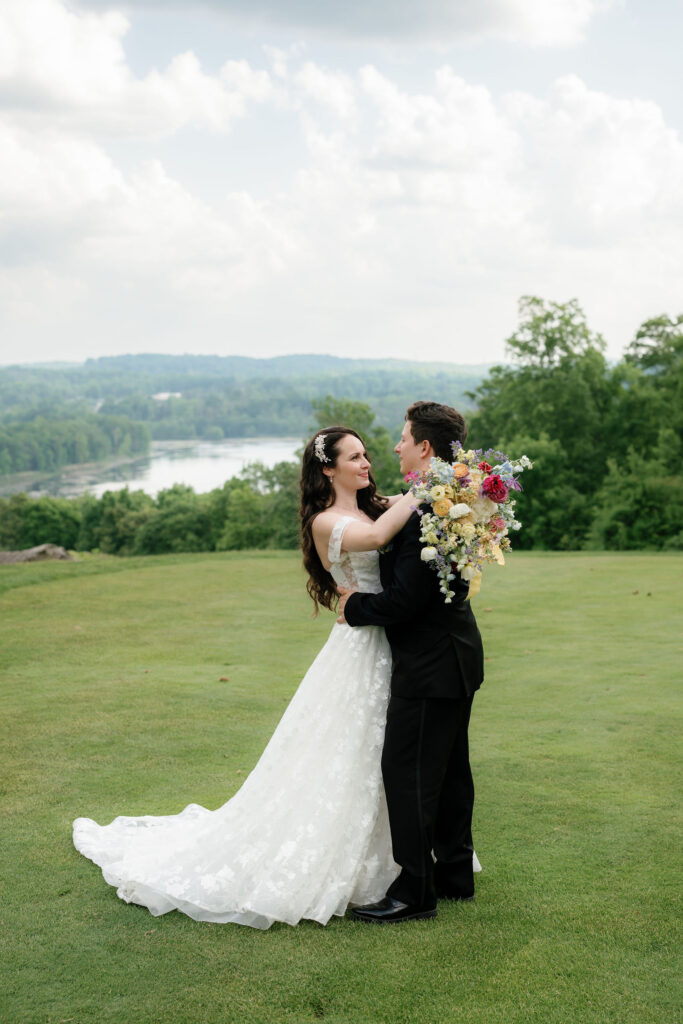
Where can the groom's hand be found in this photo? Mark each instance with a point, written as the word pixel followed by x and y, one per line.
pixel 344 595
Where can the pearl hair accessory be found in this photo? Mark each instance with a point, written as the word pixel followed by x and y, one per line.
pixel 319 445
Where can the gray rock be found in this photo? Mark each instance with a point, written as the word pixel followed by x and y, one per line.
pixel 38 554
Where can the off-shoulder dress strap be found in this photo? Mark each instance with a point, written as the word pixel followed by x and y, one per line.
pixel 334 548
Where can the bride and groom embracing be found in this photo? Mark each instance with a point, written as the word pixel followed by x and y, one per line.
pixel 363 796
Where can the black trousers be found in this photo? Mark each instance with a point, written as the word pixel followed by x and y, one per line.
pixel 430 796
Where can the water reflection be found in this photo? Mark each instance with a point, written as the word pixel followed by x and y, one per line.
pixel 201 465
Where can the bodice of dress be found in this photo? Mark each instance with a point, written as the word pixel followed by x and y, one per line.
pixel 356 569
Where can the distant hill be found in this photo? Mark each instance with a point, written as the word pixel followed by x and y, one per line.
pixel 59 413
pixel 275 366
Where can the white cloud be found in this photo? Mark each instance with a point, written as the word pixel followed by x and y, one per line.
pixel 411 225
pixel 49 54
pixel 47 173
pixel 605 168
pixel 533 22
pixel 451 147
pixel 69 69
pixel 543 22
pixel 335 91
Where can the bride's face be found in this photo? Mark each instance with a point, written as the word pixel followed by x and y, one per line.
pixel 351 472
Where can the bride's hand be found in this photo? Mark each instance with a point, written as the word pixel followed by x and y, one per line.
pixel 344 595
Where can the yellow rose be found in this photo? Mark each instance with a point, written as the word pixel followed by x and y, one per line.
pixel 437 492
pixel 441 507
pixel 467 530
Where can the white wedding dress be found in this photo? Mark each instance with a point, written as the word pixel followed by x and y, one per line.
pixel 308 832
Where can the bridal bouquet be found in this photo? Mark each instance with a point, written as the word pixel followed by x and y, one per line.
pixel 471 512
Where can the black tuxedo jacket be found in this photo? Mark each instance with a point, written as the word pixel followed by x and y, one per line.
pixel 436 647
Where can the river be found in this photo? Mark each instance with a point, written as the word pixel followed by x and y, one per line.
pixel 202 465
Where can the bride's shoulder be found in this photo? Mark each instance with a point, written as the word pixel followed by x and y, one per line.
pixel 325 521
pixel 323 524
pixel 322 527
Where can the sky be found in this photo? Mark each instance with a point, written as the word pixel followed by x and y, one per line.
pixel 380 178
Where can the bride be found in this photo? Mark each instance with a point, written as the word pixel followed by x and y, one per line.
pixel 308 833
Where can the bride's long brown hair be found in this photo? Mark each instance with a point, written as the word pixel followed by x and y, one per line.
pixel 316 494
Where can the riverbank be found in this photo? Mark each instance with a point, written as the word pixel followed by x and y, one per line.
pixel 75 478
pixel 166 463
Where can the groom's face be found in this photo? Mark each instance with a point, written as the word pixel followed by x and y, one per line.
pixel 412 457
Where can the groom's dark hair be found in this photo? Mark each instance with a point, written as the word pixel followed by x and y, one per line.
pixel 438 424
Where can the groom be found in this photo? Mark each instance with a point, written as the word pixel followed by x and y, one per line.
pixel 437 668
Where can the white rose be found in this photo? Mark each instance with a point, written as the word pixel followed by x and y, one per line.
pixel 461 509
pixel 428 554
pixel 437 492
pixel 483 509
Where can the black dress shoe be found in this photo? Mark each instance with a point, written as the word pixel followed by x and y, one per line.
pixel 389 910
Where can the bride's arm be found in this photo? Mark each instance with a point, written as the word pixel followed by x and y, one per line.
pixel 365 536
pixel 391 499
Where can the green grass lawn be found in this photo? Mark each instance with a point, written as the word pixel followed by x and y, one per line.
pixel 139 686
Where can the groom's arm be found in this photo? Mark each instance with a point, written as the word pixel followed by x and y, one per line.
pixel 410 590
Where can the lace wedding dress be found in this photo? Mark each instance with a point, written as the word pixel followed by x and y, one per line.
pixel 308 832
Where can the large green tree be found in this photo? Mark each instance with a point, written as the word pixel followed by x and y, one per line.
pixel 549 403
pixel 640 503
pixel 587 426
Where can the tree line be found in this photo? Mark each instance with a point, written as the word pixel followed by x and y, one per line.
pixel 52 416
pixel 256 510
pixel 605 439
pixel 46 444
